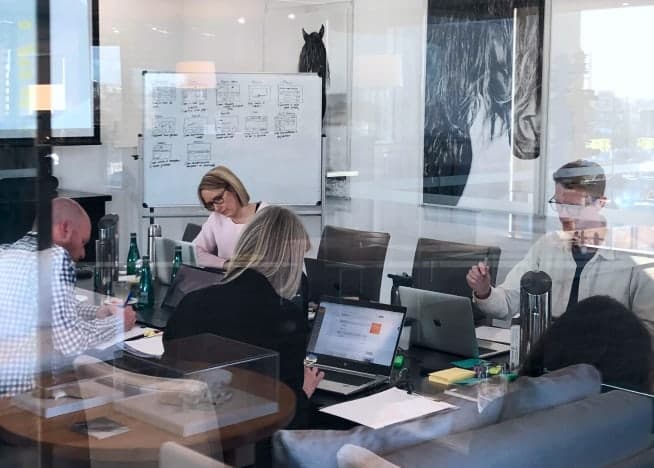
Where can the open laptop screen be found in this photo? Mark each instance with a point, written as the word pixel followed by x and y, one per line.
pixel 360 336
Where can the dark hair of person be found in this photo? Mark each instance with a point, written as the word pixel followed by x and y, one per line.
pixel 599 331
pixel 582 175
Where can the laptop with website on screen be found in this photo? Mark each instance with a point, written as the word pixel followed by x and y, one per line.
pixel 445 322
pixel 354 343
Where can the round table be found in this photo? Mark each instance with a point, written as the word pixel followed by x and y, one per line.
pixel 140 445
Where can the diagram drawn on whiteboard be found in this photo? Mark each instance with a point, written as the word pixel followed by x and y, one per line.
pixel 194 100
pixel 226 126
pixel 285 124
pixel 228 93
pixel 289 95
pixel 198 155
pixel 194 126
pixel 259 94
pixel 162 155
pixel 163 93
pixel 164 126
pixel 256 126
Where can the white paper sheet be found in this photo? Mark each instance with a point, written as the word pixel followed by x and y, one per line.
pixel 152 346
pixel 499 335
pixel 135 331
pixel 385 408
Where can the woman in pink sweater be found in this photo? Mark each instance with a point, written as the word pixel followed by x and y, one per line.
pixel 222 193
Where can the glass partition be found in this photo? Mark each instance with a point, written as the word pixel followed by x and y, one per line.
pixel 488 165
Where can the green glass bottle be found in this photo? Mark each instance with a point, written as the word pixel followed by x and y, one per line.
pixel 146 288
pixel 133 255
pixel 177 261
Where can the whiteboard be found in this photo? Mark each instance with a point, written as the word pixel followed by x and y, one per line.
pixel 264 127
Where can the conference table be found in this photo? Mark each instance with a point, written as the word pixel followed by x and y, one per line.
pixel 155 316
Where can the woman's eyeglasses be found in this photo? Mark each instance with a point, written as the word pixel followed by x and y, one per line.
pixel 215 202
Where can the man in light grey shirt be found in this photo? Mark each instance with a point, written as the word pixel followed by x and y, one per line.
pixel 579 265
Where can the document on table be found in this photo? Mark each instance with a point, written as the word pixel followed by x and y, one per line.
pixel 499 335
pixel 134 332
pixel 385 408
pixel 152 346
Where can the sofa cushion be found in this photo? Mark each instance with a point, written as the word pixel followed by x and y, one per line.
pixel 318 448
pixel 596 431
pixel 644 459
pixel 529 394
pixel 309 448
pixel 353 456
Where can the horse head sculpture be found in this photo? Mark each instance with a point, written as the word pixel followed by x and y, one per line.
pixel 313 59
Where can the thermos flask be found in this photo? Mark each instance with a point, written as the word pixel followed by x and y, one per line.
pixel 154 231
pixel 535 309
pixel 106 254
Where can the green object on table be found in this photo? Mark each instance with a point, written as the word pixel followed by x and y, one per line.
pixel 398 361
pixel 469 363
pixel 470 381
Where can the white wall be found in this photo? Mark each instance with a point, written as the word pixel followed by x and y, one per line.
pixel 386 126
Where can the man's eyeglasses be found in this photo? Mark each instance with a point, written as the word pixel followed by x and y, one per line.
pixel 570 209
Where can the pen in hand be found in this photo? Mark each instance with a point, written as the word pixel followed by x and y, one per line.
pixel 127 299
pixel 484 263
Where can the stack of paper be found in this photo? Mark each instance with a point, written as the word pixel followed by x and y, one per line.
pixel 450 376
pixel 133 333
pixel 147 346
pixel 499 335
pixel 387 407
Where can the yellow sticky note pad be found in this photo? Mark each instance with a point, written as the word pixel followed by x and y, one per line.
pixel 450 376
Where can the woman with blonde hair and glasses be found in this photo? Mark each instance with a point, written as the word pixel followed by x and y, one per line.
pixel 253 303
pixel 222 193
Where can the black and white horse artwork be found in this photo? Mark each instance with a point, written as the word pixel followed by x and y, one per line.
pixel 313 59
pixel 483 87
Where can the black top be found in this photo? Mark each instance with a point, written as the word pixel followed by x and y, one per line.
pixel 248 309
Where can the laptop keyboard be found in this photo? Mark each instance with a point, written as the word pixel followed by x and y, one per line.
pixel 348 379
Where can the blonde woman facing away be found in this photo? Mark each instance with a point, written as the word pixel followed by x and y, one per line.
pixel 222 193
pixel 253 302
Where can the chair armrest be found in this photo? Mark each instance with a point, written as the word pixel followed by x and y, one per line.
pixel 403 279
pixel 399 280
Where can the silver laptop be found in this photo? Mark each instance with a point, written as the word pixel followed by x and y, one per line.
pixel 445 322
pixel 165 249
pixel 354 343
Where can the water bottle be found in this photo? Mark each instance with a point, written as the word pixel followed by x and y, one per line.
pixel 177 261
pixel 146 289
pixel 133 255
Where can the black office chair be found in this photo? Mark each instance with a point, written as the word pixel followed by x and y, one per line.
pixel 442 266
pixel 191 232
pixel 18 205
pixel 363 248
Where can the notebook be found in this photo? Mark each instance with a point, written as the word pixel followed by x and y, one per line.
pixel 354 343
pixel 450 376
pixel 445 323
